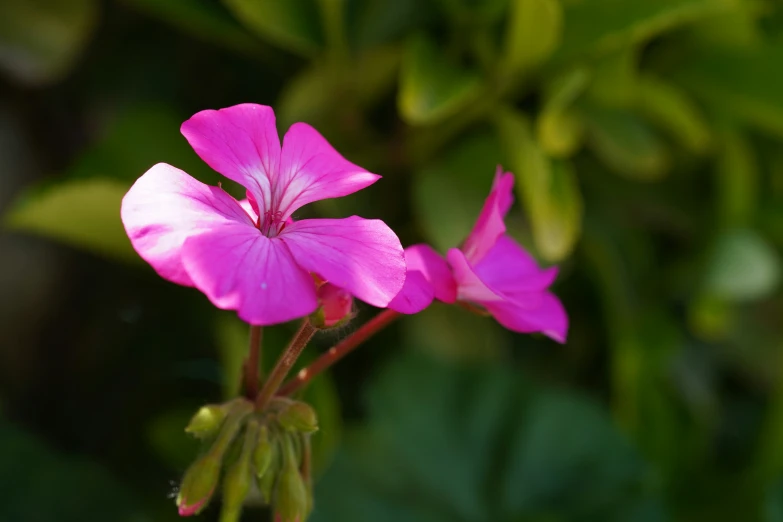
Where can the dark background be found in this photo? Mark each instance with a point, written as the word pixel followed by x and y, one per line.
pixel 645 138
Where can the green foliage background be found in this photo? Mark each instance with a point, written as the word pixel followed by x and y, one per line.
pixel 645 136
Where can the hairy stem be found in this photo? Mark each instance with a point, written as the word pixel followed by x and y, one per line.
pixel 339 351
pixel 284 363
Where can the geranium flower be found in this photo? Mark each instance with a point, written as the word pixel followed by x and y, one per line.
pixel 250 256
pixel 490 271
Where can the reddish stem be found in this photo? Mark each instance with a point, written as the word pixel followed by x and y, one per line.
pixel 284 363
pixel 339 351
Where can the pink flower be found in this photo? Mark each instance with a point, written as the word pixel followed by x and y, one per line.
pixel 490 271
pixel 250 256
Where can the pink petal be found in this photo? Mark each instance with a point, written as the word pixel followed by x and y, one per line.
pixel 549 317
pixel 521 312
pixel 361 255
pixel 240 142
pixel 425 259
pixel 166 206
pixel 508 268
pixel 240 269
pixel 311 170
pixel 489 225
pixel 415 296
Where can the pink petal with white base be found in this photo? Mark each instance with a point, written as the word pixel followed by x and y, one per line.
pixel 166 206
pixel 489 225
pixel 311 170
pixel 240 142
pixel 361 255
pixel 416 294
pixel 240 269
pixel 425 259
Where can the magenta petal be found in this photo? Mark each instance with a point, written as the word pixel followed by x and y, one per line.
pixel 509 268
pixel 425 259
pixel 166 206
pixel 416 295
pixel 240 142
pixel 549 317
pixel 240 269
pixel 361 255
pixel 469 286
pixel 489 225
pixel 311 170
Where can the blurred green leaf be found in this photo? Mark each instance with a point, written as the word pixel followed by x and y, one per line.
pixel 738 178
pixel 560 127
pixel 549 189
pixel 205 20
pixel 40 484
pixel 432 88
pixel 532 33
pixel 82 213
pixel 448 194
pixel 671 110
pixel 379 22
pixel 481 443
pixel 40 40
pixel 597 26
pixel 292 24
pixel 740 81
pixel 614 78
pixel 743 267
pixel 166 435
pixel 625 143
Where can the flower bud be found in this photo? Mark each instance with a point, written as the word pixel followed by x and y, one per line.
pixel 198 485
pixel 335 307
pixel 236 483
pixel 291 495
pixel 206 421
pixel 202 477
pixel 262 455
pixel 298 416
pixel 267 481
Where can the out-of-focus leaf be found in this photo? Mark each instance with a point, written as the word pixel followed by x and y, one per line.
pixel 378 22
pixel 738 178
pixel 559 127
pixel 166 435
pixel 735 27
pixel 549 189
pixel 671 110
pixel 81 213
pixel 448 195
pixel 202 19
pixel 625 143
pixel 615 78
pixel 310 95
pixel 533 31
pixel 477 11
pixel 321 394
pixel 41 40
pixel 595 26
pixel 232 337
pixel 481 444
pixel 292 24
pixel 740 81
pixel 432 88
pixel 773 503
pixel 743 267
pixel 40 484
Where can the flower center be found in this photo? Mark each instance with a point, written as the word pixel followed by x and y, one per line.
pixel 272 223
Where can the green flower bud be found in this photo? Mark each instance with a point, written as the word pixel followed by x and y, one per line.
pixel 298 416
pixel 198 485
pixel 291 502
pixel 267 481
pixel 207 421
pixel 237 481
pixel 262 456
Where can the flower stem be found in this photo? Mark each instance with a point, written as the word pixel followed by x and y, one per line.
pixel 339 351
pixel 252 362
pixel 284 363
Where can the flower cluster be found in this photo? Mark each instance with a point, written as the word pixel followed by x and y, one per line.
pixel 251 256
